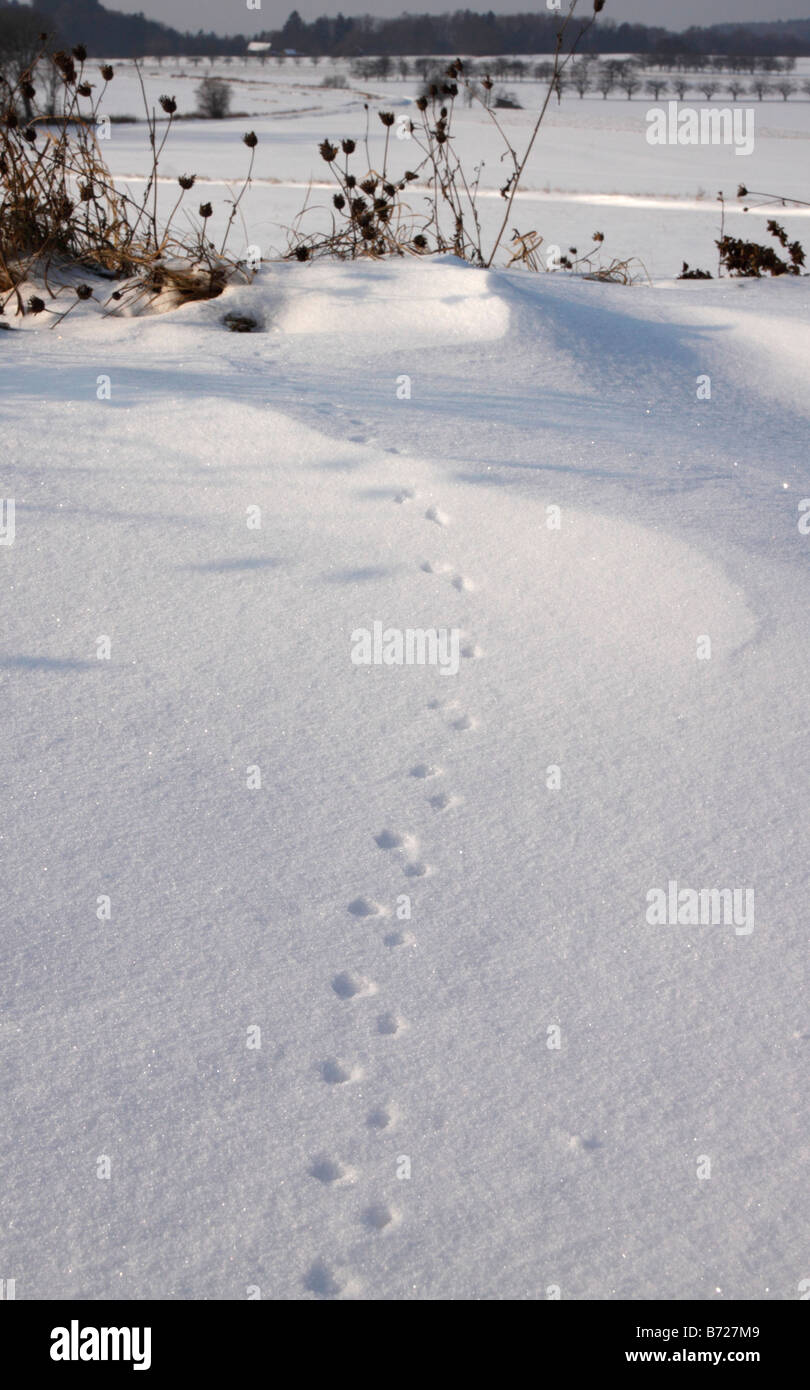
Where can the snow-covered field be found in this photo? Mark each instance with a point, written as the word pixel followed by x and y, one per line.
pixel 592 168
pixel 335 980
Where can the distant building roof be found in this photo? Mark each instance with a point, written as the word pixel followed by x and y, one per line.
pixel 255 46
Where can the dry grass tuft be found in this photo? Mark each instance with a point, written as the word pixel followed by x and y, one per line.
pixel 62 214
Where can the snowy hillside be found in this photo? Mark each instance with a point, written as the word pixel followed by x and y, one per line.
pixel 379 1007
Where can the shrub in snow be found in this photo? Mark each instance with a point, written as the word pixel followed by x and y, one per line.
pixel 213 98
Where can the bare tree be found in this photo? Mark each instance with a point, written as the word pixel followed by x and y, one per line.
pixel 785 88
pixel 656 86
pixel 708 89
pixel 735 88
pixel 580 77
pixel 606 82
pixel 213 98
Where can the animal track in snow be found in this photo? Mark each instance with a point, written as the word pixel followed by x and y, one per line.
pixel 399 938
pixel 380 1216
pixel 365 907
pixel 442 801
pixel 381 1117
pixel 459 581
pixel 390 1024
pixel 405 494
pixel 416 870
pixel 391 839
pixel 326 1282
pixel 579 1143
pixel 425 770
pixel 458 718
pixel 337 1073
pixel 439 517
pixel 347 985
pixel 331 1171
pixel 471 651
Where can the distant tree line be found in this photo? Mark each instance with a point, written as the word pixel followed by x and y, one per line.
pixel 590 75
pixel 106 33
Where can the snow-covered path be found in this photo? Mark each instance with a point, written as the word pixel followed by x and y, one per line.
pixel 437 871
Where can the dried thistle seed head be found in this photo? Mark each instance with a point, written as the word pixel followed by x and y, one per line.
pixel 169 105
pixel 598 236
pixel 186 181
pixel 327 151
pixel 107 72
pixel 11 118
pixel 205 210
pixel 84 89
pixel 410 176
pixel 598 5
pixel 389 189
pixel 387 117
pixel 420 241
pixel 251 140
pixel 35 305
pixel 86 192
pixel 368 185
pixel 84 292
pixel 28 89
pixel 421 103
pixel 79 52
pixel 66 66
pixel 351 181
pixel 348 146
pixel 487 82
pixel 302 253
pixel 742 191
pixel 339 201
pixel 30 135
